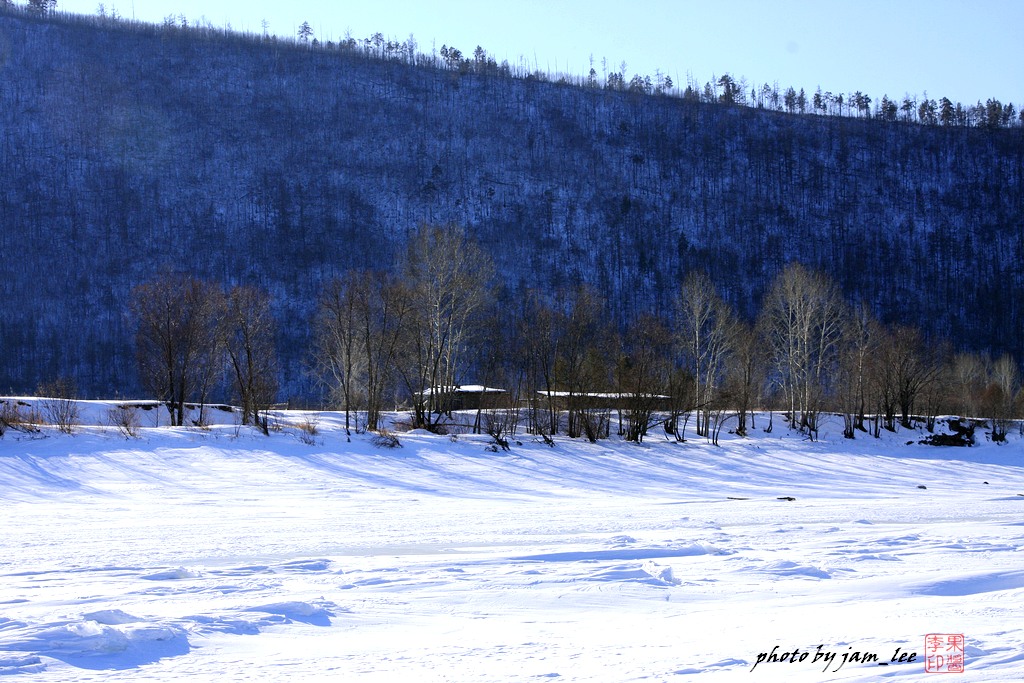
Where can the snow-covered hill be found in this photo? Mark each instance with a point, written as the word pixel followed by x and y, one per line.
pixel 127 149
pixel 220 554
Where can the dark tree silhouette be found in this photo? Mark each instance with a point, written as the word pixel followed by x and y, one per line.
pixel 177 340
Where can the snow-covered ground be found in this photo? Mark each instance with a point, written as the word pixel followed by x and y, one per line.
pixel 220 554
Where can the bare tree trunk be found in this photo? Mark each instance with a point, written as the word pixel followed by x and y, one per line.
pixel 177 338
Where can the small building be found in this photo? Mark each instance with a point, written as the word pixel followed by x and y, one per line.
pixel 605 400
pixel 466 397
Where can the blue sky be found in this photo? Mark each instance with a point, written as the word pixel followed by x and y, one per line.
pixel 967 50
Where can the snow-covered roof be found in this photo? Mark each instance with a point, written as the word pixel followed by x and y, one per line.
pixel 464 389
pixel 598 394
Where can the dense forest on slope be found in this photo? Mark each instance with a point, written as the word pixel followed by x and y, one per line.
pixel 124 151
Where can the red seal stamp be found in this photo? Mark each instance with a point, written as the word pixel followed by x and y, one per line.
pixel 944 653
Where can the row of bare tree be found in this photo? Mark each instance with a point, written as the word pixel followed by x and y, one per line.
pixel 416 335
pixel 375 335
pixel 410 336
pixel 190 333
pixel 405 334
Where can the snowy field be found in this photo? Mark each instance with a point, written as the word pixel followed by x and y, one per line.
pixel 224 555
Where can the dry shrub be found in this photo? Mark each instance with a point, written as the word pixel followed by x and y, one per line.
pixel 385 438
pixel 59 405
pixel 125 419
pixel 19 417
pixel 308 431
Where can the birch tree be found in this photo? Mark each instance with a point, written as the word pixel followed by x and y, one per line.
pixel 706 330
pixel 1002 395
pixel 802 319
pixel 449 278
pixel 856 355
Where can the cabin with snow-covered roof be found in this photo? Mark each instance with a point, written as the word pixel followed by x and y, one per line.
pixel 465 397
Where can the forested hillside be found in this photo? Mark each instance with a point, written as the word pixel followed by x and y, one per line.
pixel 124 150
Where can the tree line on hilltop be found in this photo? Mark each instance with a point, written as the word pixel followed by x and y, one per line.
pixel 725 89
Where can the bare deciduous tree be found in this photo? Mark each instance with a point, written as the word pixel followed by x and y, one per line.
pixel 883 387
pixel 581 363
pixel 565 348
pixel 642 374
pixel 912 369
pixel 682 403
pixel 383 312
pixel 969 378
pixel 745 375
pixel 177 335
pixel 357 336
pixel 496 357
pixel 448 279
pixel 539 332
pixel 856 354
pixel 339 354
pixel 802 320
pixel 935 397
pixel 706 330
pixel 248 331
pixel 1001 397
